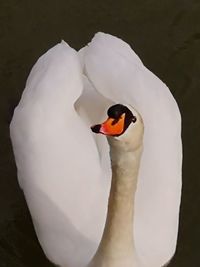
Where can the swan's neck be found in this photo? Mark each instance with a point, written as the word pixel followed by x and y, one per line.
pixel 117 245
pixel 117 239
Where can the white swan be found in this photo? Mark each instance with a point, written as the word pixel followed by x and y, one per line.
pixel 64 169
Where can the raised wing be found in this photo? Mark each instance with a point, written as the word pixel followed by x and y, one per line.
pixel 58 161
pixel 119 75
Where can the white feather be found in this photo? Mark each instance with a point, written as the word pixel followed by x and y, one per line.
pixel 118 74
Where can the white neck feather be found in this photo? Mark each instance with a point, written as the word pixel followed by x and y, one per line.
pixel 116 248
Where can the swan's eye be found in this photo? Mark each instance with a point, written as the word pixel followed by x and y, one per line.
pixel 134 119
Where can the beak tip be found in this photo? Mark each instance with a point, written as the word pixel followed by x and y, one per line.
pixel 96 128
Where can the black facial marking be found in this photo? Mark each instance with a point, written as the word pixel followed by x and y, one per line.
pixel 114 121
pixel 116 111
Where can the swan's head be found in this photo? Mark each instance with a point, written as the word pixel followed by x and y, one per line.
pixel 123 123
pixel 119 119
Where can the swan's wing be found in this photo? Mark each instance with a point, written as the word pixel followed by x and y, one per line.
pixel 58 161
pixel 118 74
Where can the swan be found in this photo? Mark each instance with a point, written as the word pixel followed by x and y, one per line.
pixel 64 169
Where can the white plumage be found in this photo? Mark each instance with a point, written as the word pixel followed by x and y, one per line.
pixel 64 170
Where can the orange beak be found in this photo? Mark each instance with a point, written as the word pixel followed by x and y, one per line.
pixel 110 127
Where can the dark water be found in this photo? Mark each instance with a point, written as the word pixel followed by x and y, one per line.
pixel 164 33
